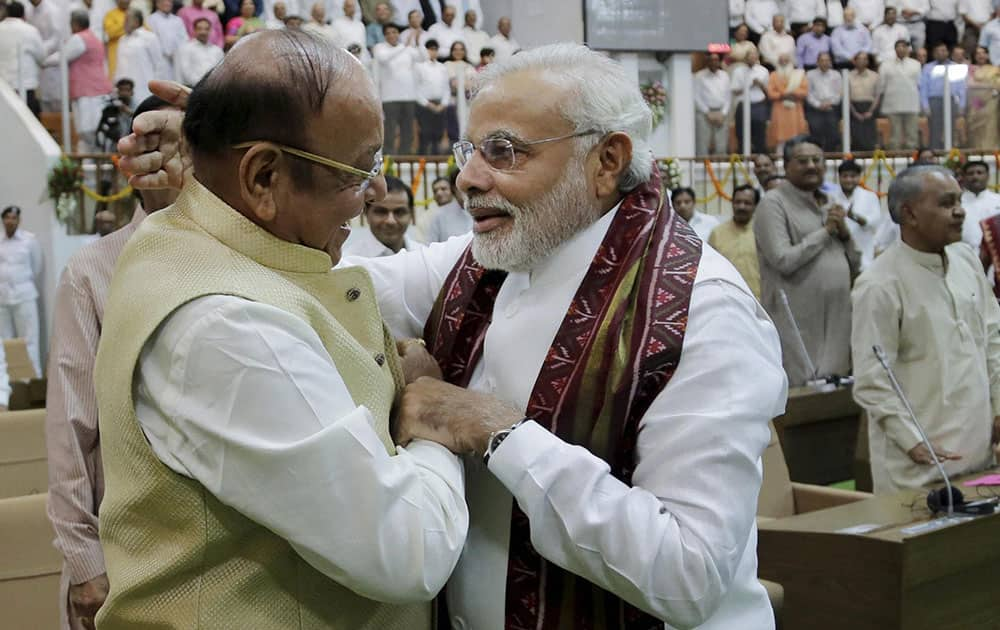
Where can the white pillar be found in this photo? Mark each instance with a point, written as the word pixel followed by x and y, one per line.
pixel 680 116
pixel 747 142
pixel 845 113
pixel 947 108
pixel 64 89
pixel 462 106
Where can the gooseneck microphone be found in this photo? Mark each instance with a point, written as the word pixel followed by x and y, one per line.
pixel 934 501
pixel 798 336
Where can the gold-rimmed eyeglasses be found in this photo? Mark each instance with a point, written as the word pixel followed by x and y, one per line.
pixel 368 176
pixel 500 152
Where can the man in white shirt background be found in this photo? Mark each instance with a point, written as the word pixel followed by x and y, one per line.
pixel 475 39
pixel 140 57
pixel 912 13
pixel 414 32
pixel 755 76
pixel 975 14
pixel 171 32
pixel 196 56
pixel 317 23
pixel 864 210
pixel 17 35
pixel 775 43
pixel 886 34
pixel 349 30
pixel 989 38
pixel 433 98
pixel 978 200
pixel 396 81
pixel 20 270
pixel 940 23
pixel 388 223
pixel 712 101
pixel 899 84
pixel 502 43
pixel 684 201
pixel 823 103
pixel 51 21
pixel 801 13
pixel 868 12
pixel 446 31
pixel 759 16
pixel 450 217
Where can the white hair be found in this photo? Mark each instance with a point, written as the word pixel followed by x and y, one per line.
pixel 604 98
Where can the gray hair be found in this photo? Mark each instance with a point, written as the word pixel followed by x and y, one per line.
pixel 604 98
pixel 910 184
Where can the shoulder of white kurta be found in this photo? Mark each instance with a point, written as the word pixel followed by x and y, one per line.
pixel 713 266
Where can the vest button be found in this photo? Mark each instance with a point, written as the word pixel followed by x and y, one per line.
pixel 380 359
pixel 353 294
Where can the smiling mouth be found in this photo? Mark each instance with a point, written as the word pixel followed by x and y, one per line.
pixel 487 219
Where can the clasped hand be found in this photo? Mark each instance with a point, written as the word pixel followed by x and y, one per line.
pixel 431 409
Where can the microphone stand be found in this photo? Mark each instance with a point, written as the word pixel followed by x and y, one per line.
pixel 880 355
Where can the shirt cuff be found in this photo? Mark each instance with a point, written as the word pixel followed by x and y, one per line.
pixel 519 451
pixel 439 459
pixel 86 565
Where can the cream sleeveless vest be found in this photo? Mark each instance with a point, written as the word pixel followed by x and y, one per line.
pixel 177 557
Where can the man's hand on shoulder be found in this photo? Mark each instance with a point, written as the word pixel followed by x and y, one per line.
pixel 154 155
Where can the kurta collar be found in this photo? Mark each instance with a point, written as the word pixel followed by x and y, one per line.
pixel 816 198
pixel 937 263
pixel 575 254
pixel 237 232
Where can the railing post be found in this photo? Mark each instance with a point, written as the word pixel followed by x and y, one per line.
pixel 747 143
pixel 846 113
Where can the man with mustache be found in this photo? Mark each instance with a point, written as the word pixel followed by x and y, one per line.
pixel 807 254
pixel 928 304
pixel 611 481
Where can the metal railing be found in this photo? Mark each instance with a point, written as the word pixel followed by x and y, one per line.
pixel 713 178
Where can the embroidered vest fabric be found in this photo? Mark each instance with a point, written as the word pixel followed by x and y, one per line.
pixel 616 349
pixel 88 75
pixel 176 556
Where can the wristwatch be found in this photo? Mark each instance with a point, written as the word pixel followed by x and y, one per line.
pixel 497 437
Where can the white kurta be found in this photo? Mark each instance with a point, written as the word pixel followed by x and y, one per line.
pixel 865 204
pixel 172 33
pixel 140 58
pixel 703 224
pixel 195 59
pixel 939 324
pixel 363 243
pixel 210 385
pixel 978 208
pixel 449 220
pixel 684 538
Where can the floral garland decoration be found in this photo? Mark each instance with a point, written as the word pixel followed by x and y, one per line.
pixel 65 179
pixel 655 96
pixel 670 171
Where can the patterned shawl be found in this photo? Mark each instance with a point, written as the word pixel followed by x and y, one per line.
pixel 991 245
pixel 616 348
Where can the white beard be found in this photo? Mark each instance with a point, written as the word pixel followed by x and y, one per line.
pixel 538 229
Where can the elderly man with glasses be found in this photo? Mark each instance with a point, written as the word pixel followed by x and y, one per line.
pixel 612 455
pixel 245 388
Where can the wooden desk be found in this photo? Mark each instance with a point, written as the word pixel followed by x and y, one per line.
pixel 819 433
pixel 885 579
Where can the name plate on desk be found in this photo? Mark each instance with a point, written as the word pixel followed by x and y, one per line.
pixel 934 525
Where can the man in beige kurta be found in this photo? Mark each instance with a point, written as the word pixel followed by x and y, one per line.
pixel 926 302
pixel 735 240
pixel 806 251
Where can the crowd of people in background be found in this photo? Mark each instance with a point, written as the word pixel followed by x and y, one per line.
pixel 790 54
pixel 420 54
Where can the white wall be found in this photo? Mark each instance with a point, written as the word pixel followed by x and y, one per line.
pixel 536 22
pixel 27 152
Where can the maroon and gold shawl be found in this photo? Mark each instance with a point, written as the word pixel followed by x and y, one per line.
pixel 618 345
pixel 991 248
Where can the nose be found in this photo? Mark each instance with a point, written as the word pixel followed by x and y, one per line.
pixel 376 191
pixel 476 176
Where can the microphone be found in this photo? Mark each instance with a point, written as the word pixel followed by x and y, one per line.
pixel 934 499
pixel 813 380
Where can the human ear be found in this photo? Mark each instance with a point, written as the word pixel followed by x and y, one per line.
pixel 614 154
pixel 259 177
